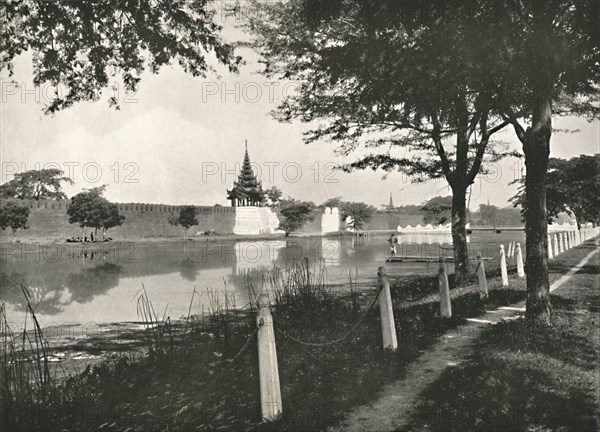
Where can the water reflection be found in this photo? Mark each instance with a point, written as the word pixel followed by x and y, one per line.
pixel 189 269
pixel 97 284
pixel 257 256
pixel 52 292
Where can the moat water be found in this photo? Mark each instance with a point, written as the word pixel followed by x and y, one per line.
pixel 100 283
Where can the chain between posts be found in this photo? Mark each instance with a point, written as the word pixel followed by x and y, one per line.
pixel 474 274
pixel 340 339
pixel 247 343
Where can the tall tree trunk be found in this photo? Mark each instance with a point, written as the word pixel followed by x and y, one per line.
pixel 536 147
pixel 459 233
pixel 459 184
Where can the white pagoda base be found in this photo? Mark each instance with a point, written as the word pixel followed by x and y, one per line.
pixel 252 220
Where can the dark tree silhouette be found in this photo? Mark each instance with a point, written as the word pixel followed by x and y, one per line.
pixel 14 215
pixel 370 74
pixel 186 218
pixel 546 58
pixel 295 214
pixel 571 186
pixel 36 185
pixel 83 46
pixel 438 210
pixel 360 213
pixel 90 209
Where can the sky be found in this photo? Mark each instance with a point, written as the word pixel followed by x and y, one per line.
pixel 180 140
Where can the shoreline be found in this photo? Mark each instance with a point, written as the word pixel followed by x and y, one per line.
pixel 8 240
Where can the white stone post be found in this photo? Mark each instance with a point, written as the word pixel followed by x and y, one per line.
pixel 510 250
pixel 270 391
pixel 483 289
pixel 503 271
pixel 520 269
pixel 445 305
pixel 568 244
pixel 560 243
pixel 388 325
pixel 556 252
pixel 550 251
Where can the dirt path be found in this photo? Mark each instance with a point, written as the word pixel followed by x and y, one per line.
pixel 394 405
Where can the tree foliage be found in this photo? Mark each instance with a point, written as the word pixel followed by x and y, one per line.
pixel 571 186
pixel 491 215
pixel 274 194
pixel 295 214
pixel 186 218
pixel 438 210
pixel 90 209
pixel 545 61
pixel 333 202
pixel 79 48
pixel 14 215
pixel 372 76
pixel 359 213
pixel 36 185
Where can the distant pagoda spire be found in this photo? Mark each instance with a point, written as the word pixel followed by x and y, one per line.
pixel 391 204
pixel 247 190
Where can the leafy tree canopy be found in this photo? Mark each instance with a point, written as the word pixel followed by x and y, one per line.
pixel 14 215
pixel 274 194
pixel 438 210
pixel 406 93
pixel 488 214
pixel 90 209
pixel 369 71
pixel 36 185
pixel 571 186
pixel 491 215
pixel 295 214
pixel 186 218
pixel 359 213
pixel 544 61
pixel 332 202
pixel 408 209
pixel 80 47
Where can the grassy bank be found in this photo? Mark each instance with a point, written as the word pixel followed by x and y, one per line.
pixel 524 376
pixel 204 376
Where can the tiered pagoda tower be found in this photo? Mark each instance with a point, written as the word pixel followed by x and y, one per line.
pixel 247 190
